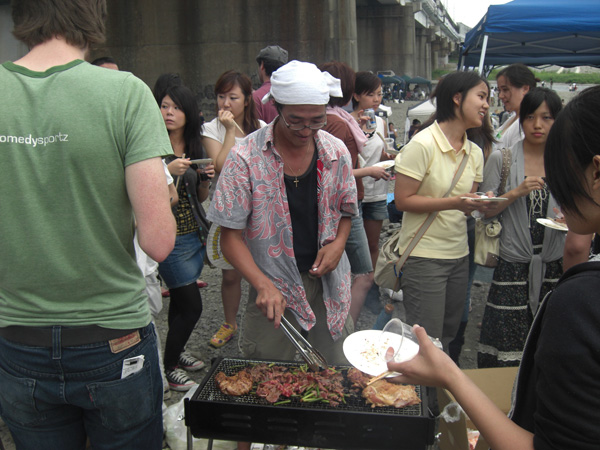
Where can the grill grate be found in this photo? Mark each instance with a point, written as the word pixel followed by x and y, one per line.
pixel 351 425
pixel 209 391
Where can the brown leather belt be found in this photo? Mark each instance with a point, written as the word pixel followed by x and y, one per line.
pixel 69 336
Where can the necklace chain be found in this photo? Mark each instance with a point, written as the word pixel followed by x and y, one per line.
pixel 296 181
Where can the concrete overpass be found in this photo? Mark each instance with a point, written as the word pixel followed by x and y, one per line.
pixel 200 39
pixel 408 37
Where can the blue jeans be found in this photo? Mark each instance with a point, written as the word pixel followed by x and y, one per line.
pixel 55 397
pixel 357 247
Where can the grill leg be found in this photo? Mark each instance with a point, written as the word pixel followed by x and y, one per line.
pixel 190 441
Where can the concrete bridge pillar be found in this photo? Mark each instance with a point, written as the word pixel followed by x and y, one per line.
pixel 386 37
pixel 423 51
pixel 202 39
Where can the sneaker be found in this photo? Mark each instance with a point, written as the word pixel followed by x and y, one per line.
pixel 178 380
pixel 189 362
pixel 223 336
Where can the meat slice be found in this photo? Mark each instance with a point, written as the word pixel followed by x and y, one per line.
pixel 238 384
pixel 384 393
pixel 358 378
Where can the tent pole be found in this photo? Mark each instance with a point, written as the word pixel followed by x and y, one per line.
pixel 483 50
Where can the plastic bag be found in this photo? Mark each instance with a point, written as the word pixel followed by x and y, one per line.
pixel 175 429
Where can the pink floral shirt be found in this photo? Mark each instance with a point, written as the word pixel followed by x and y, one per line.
pixel 251 196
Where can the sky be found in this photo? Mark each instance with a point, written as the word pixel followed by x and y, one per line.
pixel 469 12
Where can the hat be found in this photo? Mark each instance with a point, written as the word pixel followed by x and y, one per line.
pixel 273 53
pixel 302 83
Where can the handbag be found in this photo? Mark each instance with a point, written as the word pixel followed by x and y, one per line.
pixel 487 234
pixel 388 268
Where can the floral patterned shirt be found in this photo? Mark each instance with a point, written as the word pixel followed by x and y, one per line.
pixel 251 196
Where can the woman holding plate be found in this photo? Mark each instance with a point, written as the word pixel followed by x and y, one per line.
pixel 530 254
pixel 434 279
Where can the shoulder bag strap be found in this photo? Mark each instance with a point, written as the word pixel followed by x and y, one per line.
pixel 430 218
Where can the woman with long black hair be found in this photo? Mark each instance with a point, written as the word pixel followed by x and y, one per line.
pixel 183 266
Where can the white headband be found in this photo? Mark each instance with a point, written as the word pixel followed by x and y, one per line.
pixel 302 83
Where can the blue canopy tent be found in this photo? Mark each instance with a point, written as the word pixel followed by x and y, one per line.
pixel 535 33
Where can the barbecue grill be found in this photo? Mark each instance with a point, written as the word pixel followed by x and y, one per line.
pixel 211 414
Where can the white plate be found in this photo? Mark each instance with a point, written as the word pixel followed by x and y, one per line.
pixel 489 199
pixel 385 164
pixel 362 351
pixel 550 223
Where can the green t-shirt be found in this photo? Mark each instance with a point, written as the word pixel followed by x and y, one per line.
pixel 66 223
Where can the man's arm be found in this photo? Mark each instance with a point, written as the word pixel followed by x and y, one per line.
pixel 329 255
pixel 149 198
pixel 269 299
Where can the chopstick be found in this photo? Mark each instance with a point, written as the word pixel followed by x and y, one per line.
pixel 379 377
pixel 383 139
pixel 238 127
pixel 177 183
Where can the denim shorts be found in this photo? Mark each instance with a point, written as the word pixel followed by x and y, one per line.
pixel 55 397
pixel 184 264
pixel 375 210
pixel 357 248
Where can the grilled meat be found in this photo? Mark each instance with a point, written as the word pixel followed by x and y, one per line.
pixel 281 384
pixel 384 393
pixel 237 384
pixel 276 382
pixel 358 379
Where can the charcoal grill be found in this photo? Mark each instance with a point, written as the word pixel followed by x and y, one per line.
pixel 211 414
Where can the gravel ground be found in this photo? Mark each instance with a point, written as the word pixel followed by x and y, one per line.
pixel 212 316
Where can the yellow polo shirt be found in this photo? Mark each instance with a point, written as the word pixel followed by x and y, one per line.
pixel 430 158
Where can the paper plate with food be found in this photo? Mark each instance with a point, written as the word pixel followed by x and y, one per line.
pixel 485 199
pixel 553 223
pixel 366 350
pixel 385 164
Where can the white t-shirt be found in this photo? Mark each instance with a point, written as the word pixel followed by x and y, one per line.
pixel 375 190
pixel 215 130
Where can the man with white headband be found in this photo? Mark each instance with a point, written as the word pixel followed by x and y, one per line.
pixel 284 202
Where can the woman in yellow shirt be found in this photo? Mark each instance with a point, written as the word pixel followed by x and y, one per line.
pixel 434 279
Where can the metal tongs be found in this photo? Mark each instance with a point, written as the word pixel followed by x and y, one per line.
pixel 311 355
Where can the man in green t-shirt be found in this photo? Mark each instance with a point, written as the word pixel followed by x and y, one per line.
pixel 80 155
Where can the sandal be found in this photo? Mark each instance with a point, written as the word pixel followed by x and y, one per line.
pixel 223 336
pixel 201 284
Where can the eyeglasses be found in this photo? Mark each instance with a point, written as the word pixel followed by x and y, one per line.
pixel 299 127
